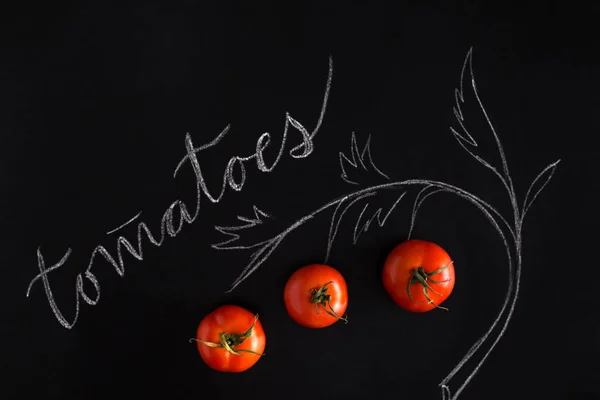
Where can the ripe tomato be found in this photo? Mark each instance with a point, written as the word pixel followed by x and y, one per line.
pixel 314 287
pixel 418 275
pixel 230 339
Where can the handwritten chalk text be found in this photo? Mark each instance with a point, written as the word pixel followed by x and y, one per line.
pixel 229 180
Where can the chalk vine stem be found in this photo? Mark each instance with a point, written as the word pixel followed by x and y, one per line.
pixel 229 341
pixel 320 296
pixel 420 276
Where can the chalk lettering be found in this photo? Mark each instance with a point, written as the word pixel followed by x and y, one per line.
pixel 92 278
pixel 167 221
pixel 43 275
pixel 229 173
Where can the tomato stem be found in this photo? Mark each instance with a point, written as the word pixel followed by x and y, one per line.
pixel 419 276
pixel 229 341
pixel 323 298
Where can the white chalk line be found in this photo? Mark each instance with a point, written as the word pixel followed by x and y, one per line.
pixel 488 211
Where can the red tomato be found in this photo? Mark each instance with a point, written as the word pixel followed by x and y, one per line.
pixel 316 296
pixel 230 339
pixel 418 275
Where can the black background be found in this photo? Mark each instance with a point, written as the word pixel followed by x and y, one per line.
pixel 95 102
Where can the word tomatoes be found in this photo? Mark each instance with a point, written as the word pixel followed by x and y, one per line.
pixel 418 275
pixel 316 296
pixel 230 339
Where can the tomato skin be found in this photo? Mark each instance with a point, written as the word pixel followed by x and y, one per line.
pixel 398 269
pixel 234 320
pixel 300 288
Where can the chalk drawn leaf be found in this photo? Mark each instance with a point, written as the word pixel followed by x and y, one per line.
pixel 258 257
pixel 419 199
pixel 538 184
pixel 231 231
pixel 359 229
pixel 463 135
pixel 362 224
pixel 359 159
pixel 343 205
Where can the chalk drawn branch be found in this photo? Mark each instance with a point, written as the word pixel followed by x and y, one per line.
pixel 508 229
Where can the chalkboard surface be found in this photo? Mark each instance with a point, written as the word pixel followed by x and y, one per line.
pixel 162 159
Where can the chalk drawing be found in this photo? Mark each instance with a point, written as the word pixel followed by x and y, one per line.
pixel 506 230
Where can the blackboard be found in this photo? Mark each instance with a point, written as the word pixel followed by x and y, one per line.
pixel 482 112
